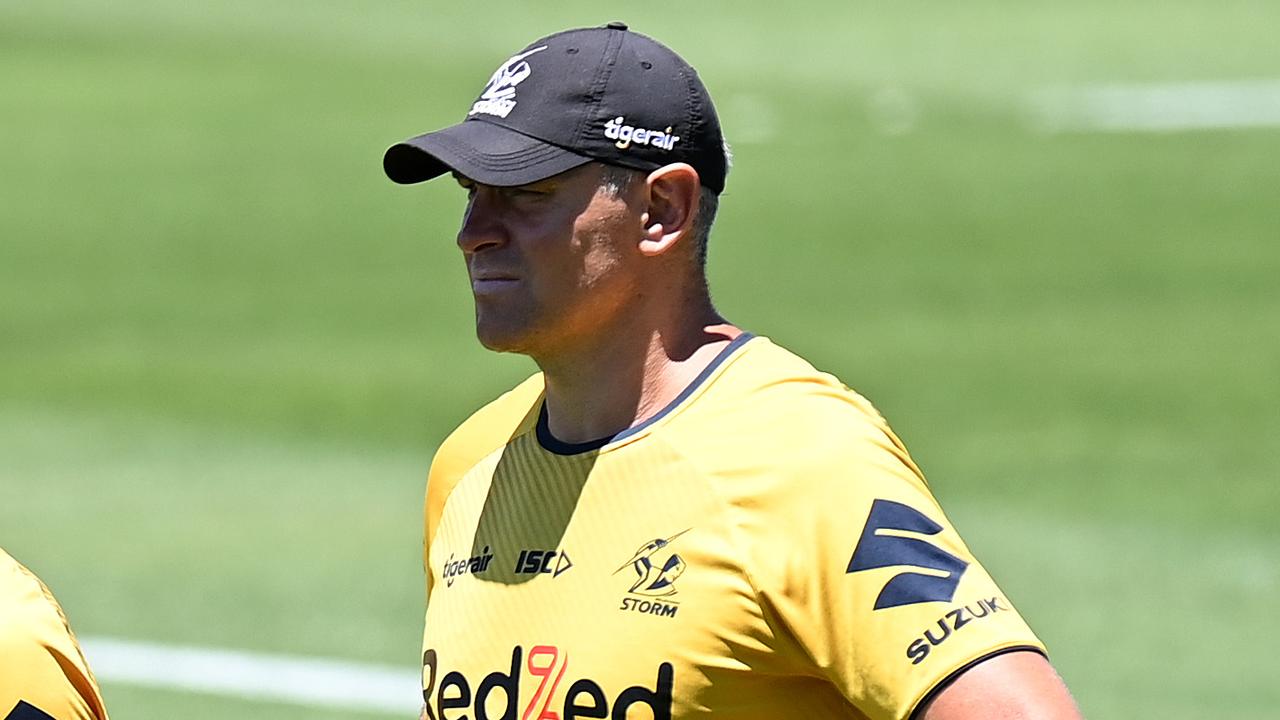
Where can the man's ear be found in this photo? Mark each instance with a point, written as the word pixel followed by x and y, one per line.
pixel 672 192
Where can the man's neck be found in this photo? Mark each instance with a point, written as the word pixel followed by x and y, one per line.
pixel 622 378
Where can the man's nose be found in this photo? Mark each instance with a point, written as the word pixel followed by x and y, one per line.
pixel 482 226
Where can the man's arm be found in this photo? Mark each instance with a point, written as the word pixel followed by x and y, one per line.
pixel 1011 686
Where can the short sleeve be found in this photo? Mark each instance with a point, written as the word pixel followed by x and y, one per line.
pixel 877 592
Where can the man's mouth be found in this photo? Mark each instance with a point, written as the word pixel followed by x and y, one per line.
pixel 488 282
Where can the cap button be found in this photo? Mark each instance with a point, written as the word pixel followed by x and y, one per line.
pixel 615 25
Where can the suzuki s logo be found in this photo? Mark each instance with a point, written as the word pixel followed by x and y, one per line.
pixel 892 538
pixel 499 96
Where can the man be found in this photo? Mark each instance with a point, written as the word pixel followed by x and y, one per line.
pixel 43 674
pixel 674 518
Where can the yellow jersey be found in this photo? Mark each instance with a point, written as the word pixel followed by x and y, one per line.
pixel 43 674
pixel 762 548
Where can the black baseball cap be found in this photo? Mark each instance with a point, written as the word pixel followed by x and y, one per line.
pixel 603 93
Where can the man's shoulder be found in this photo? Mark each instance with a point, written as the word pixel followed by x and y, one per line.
pixel 488 429
pixel 494 424
pixel 776 414
pixel 774 391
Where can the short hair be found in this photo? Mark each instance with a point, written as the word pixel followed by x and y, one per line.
pixel 617 180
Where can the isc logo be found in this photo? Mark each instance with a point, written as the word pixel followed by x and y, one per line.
pixel 534 562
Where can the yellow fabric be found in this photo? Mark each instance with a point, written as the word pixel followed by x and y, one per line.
pixel 702 565
pixel 40 662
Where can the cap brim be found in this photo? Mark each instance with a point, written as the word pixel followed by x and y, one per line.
pixel 483 151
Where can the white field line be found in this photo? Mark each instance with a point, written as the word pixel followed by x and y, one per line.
pixel 1159 107
pixel 315 682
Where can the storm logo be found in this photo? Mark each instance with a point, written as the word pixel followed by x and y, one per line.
pixel 499 96
pixel 656 572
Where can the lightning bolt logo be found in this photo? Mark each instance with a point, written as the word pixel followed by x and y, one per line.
pixel 655 577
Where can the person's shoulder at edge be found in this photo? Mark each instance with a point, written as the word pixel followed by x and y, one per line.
pixel 38 650
pixel 28 606
pixel 486 430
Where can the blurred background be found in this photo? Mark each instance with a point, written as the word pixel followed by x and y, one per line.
pixel 1040 236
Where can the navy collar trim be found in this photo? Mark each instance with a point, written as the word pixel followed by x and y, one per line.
pixel 551 444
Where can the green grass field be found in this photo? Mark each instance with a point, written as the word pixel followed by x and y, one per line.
pixel 229 346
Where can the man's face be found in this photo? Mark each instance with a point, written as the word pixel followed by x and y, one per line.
pixel 547 261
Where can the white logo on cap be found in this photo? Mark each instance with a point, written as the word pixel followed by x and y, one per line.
pixel 499 96
pixel 626 135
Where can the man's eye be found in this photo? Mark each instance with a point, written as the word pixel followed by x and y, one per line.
pixel 528 192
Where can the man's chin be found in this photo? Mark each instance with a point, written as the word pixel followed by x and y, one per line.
pixel 500 347
pixel 524 333
pixel 503 342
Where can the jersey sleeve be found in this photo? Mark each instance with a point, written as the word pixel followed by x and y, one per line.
pixel 879 595
pixel 43 675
